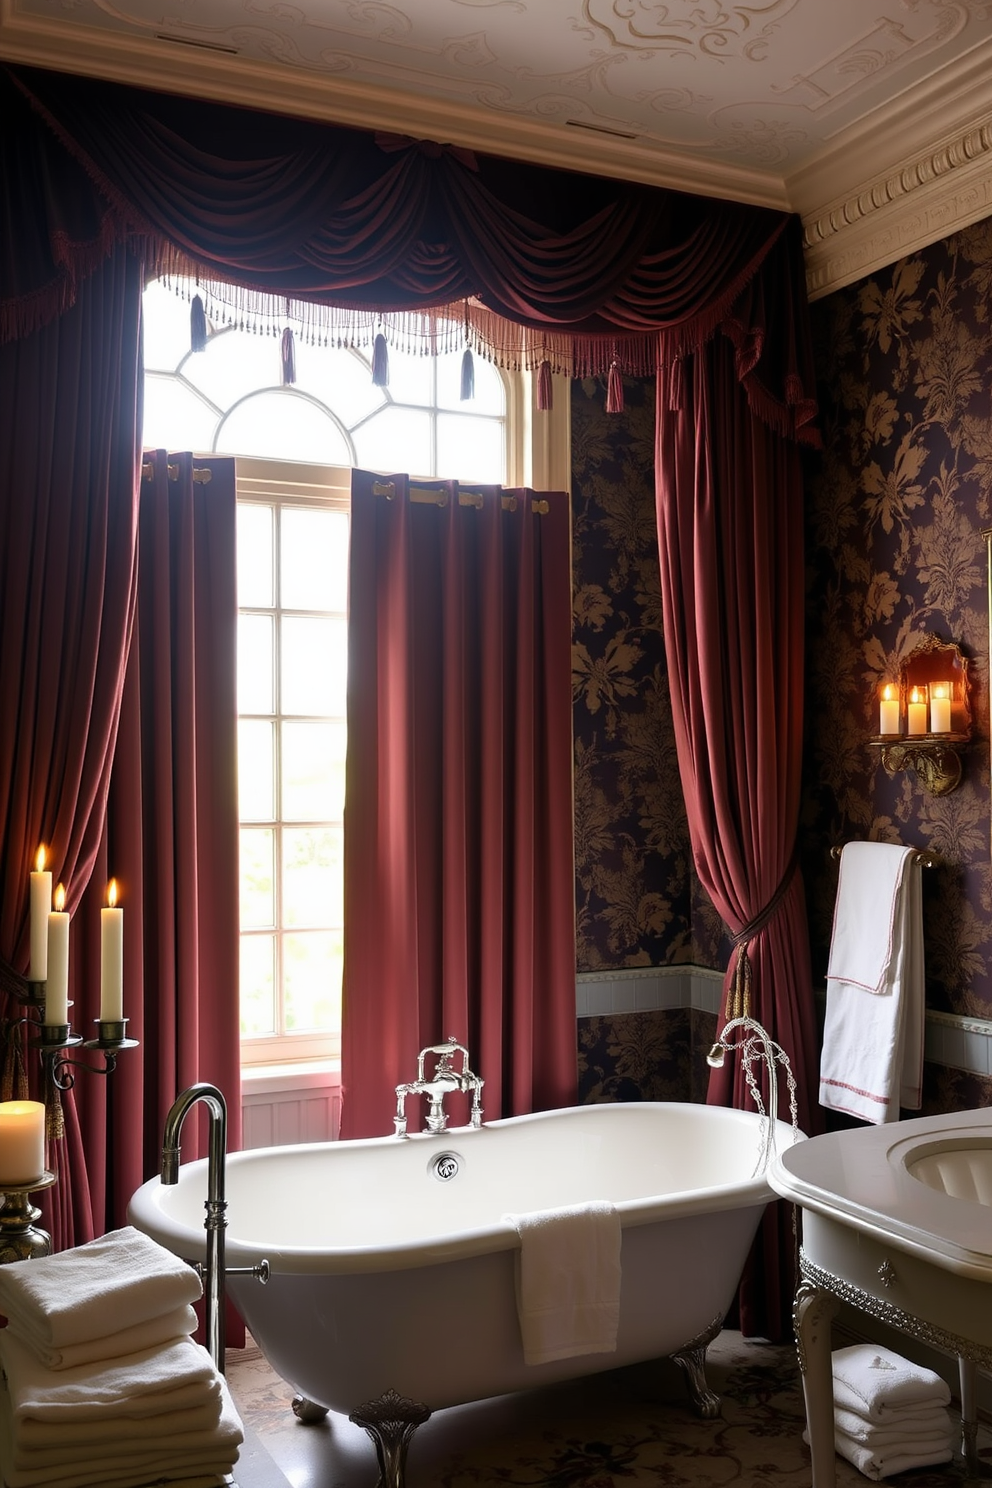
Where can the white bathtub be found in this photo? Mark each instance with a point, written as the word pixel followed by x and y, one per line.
pixel 385 1278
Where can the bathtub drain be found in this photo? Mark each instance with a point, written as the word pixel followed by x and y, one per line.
pixel 445 1166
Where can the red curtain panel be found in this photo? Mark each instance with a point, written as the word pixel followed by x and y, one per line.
pixel 459 886
pixel 730 524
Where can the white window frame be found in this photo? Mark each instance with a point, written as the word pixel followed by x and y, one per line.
pixel 538 455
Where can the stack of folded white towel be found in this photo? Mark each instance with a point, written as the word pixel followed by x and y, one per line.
pixel 889 1415
pixel 103 1384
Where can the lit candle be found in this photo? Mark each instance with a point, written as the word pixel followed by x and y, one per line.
pixel 57 985
pixel 940 707
pixel 22 1142
pixel 888 709
pixel 917 710
pixel 41 906
pixel 111 958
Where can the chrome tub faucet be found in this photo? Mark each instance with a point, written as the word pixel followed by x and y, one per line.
pixel 445 1079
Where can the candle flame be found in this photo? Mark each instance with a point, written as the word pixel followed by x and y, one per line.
pixel 940 689
pixel 39 861
pixel 112 894
pixel 917 694
pixel 60 898
pixel 889 692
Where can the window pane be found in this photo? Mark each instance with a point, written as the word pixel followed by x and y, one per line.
pixel 258 1009
pixel 313 980
pixel 234 363
pixel 258 900
pixel 255 566
pixel 175 418
pixel 314 557
pixel 280 424
pixel 490 395
pixel 312 885
pixel 255 664
pixel 340 379
pixel 469 448
pixel 164 329
pixel 312 771
pixel 314 664
pixel 256 772
pixel 396 439
pixel 411 378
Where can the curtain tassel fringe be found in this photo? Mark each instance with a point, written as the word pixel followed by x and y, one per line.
pixel 614 390
pixel 197 325
pixel 468 376
pixel 288 350
pixel 380 362
pixel 545 387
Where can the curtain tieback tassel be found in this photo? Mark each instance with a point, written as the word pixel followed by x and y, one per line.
pixel 380 362
pixel 288 357
pixel 614 390
pixel 468 376
pixel 197 325
pixel 739 995
pixel 545 388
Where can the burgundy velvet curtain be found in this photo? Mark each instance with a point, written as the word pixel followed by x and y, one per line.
pixel 609 276
pixel 730 523
pixel 171 835
pixel 459 883
pixel 69 453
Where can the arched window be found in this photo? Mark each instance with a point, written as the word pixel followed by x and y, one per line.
pixel 295 445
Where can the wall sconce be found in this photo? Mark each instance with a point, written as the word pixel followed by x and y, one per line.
pixel 927 731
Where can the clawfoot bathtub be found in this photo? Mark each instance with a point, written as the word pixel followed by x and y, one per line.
pixel 392 1267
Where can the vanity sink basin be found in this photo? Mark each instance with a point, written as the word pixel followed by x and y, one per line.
pixel 962 1170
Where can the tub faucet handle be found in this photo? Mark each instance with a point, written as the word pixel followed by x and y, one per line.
pixel 445 1078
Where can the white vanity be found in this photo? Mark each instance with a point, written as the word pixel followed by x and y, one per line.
pixel 897 1221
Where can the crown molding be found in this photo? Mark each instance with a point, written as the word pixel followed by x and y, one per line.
pixel 926 198
pixel 173 67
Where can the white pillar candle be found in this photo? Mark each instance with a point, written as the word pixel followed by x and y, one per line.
pixel 22 1142
pixel 111 958
pixel 917 710
pixel 41 908
pixel 940 708
pixel 888 709
pixel 57 985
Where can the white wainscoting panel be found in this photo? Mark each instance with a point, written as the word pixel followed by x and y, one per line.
pixel 285 1105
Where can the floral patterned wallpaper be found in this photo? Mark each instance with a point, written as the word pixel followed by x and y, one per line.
pixel 896 506
pixel 638 902
pixel 895 512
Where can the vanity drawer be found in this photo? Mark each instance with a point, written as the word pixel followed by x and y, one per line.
pixel 873 1274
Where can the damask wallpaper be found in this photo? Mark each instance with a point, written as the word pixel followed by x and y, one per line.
pixel 638 902
pixel 895 512
pixel 895 508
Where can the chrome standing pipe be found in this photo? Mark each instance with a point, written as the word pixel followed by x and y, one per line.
pixel 215 1222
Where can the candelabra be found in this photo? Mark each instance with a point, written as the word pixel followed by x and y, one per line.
pixel 20 1238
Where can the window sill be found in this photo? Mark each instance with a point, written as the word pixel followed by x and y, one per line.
pixel 274 1079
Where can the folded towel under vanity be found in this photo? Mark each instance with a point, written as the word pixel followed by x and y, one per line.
pixel 883 1387
pixel 568 1281
pixel 68 1298
pixel 872 1058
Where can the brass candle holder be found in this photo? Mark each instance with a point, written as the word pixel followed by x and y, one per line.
pixel 20 1238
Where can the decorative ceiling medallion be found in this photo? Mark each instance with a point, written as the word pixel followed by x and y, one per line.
pixel 706 27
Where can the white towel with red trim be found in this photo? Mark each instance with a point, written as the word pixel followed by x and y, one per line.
pixel 871 1063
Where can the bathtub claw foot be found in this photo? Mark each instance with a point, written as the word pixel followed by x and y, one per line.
pixel 308 1411
pixel 691 1359
pixel 391 1421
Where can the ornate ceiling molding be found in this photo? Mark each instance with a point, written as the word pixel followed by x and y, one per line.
pixel 900 211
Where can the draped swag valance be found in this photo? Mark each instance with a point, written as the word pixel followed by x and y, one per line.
pixel 541 266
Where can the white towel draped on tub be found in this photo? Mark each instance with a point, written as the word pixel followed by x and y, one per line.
pixel 568 1281
pixel 872 1058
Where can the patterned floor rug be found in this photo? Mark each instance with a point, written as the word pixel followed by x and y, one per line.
pixel 630 1428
